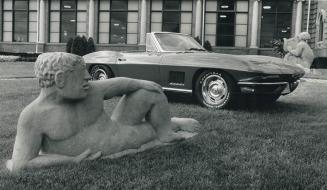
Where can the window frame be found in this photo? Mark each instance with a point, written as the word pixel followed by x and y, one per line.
pixel 275 13
pixel 76 11
pixel 13 21
pixel 163 10
pixel 235 12
pixel 110 11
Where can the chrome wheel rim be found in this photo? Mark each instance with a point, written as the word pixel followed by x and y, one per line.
pixel 100 74
pixel 214 90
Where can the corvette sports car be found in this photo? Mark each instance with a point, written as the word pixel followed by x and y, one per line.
pixel 178 63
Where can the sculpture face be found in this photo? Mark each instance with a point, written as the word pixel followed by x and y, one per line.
pixel 75 83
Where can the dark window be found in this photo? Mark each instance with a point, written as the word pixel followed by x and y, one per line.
pixel 226 23
pixel 171 18
pixel 276 21
pixel 20 26
pixel 20 18
pixel 118 22
pixel 68 20
pixel 68 5
pixel 119 5
pixel 172 5
pixel 21 4
pixel 118 27
pixel 224 5
pixel 68 25
pixel 170 21
pixel 321 29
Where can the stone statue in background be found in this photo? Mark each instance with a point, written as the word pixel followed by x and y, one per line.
pixel 67 123
pixel 299 52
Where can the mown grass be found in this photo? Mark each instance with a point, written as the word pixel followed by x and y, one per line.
pixel 16 69
pixel 283 146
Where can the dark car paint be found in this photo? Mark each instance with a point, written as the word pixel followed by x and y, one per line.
pixel 158 66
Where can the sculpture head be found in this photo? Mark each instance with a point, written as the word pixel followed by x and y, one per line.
pixel 63 71
pixel 303 36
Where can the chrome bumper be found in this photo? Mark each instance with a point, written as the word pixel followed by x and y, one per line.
pixel 268 87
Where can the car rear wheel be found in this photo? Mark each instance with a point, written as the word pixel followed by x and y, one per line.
pixel 215 89
pixel 100 72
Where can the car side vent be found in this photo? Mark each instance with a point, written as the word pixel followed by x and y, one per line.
pixel 176 78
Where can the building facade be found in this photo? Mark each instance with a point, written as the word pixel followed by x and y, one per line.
pixel 232 26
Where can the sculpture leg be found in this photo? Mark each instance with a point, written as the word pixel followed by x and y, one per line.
pixel 153 107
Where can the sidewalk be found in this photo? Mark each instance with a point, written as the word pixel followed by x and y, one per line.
pixel 317 74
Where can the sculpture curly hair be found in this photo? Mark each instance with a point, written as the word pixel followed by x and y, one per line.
pixel 303 36
pixel 48 64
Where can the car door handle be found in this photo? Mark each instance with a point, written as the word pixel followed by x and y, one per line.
pixel 121 59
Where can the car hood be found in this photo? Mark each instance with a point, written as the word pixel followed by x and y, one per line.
pixel 249 63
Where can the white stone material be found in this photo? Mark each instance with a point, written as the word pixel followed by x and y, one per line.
pixel 254 29
pixel 298 22
pixel 42 22
pixel 91 19
pixel 198 18
pixel 143 22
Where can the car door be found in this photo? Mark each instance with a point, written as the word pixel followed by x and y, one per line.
pixel 175 71
pixel 140 65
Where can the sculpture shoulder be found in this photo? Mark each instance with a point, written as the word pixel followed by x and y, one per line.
pixel 304 45
pixel 28 116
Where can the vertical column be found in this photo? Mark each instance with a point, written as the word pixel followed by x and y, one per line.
pixel 91 19
pixel 298 22
pixel 198 19
pixel 1 23
pixel 254 29
pixel 42 19
pixel 143 22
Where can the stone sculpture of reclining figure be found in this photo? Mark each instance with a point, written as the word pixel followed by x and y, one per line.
pixel 67 123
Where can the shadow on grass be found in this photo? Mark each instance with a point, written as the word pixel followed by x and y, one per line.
pixel 181 98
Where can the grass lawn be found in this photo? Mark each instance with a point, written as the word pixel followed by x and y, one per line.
pixel 16 69
pixel 283 146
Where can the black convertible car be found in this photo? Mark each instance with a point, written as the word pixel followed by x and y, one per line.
pixel 178 63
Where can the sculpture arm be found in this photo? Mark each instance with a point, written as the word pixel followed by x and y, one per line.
pixel 121 85
pixel 298 50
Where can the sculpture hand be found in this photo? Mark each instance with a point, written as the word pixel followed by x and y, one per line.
pixel 87 155
pixel 151 86
pixel 289 48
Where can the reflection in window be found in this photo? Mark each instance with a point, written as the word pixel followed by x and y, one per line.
pixel 171 16
pixel 224 5
pixel 118 27
pixel 67 19
pixel 276 21
pixel 225 28
pixel 226 22
pixel 20 25
pixel 18 20
pixel 118 21
pixel 321 29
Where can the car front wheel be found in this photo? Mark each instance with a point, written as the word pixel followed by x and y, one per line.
pixel 100 72
pixel 215 89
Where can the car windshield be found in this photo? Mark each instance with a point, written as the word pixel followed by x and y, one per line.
pixel 178 42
